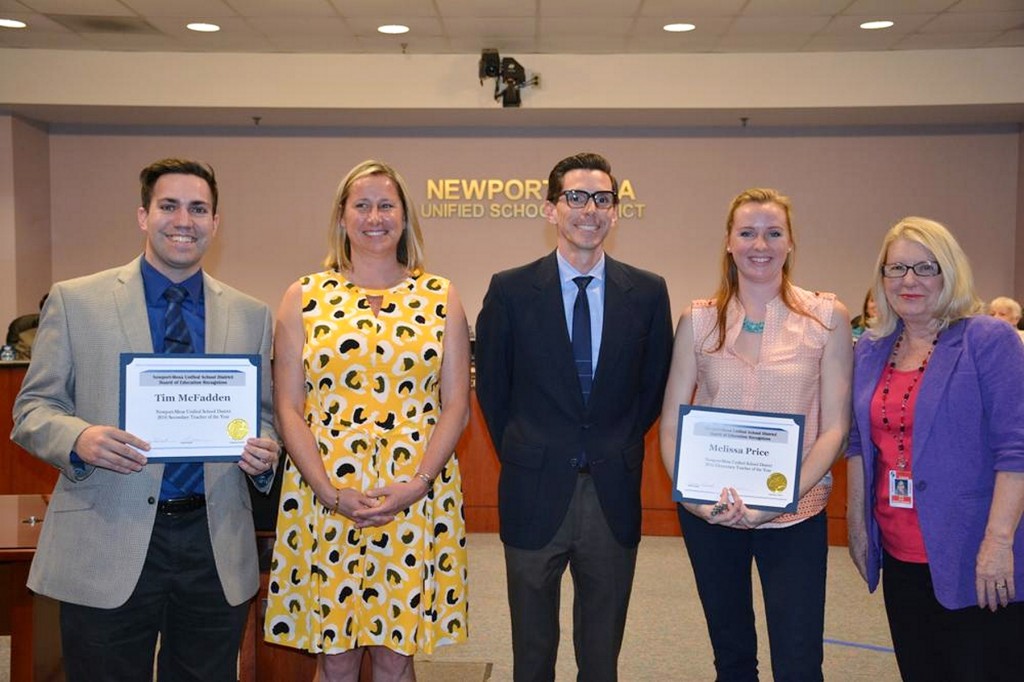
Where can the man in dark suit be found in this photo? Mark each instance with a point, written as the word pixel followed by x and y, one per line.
pixel 134 547
pixel 572 353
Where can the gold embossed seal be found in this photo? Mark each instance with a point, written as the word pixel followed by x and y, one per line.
pixel 777 482
pixel 238 429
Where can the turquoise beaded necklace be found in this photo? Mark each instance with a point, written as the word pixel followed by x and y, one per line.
pixel 753 327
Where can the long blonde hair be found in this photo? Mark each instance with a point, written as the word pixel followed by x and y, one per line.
pixel 729 284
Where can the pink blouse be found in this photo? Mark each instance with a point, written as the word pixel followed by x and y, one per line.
pixel 786 378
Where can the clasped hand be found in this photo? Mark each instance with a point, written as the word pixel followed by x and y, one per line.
pixel 379 506
pixel 731 511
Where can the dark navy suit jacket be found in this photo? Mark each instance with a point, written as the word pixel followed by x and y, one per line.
pixel 531 398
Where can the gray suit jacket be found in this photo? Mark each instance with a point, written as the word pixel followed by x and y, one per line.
pixel 98 526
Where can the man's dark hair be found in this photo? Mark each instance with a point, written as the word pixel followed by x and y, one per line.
pixel 581 161
pixel 151 173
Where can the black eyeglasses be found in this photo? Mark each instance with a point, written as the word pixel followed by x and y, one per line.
pixel 578 198
pixel 926 268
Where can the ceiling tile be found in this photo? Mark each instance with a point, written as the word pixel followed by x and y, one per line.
pixel 193 9
pixel 594 28
pixel 773 42
pixel 43 40
pixel 484 8
pixel 512 28
pixel 883 7
pixel 110 8
pixel 297 27
pixel 844 42
pixel 933 41
pixel 283 8
pixel 397 10
pixel 1009 39
pixel 977 22
pixel 588 8
pixel 783 8
pixel 650 28
pixel 768 26
pixel 418 27
pixel 986 6
pixel 683 11
pixel 903 24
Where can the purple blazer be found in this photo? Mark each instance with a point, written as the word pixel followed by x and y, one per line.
pixel 968 424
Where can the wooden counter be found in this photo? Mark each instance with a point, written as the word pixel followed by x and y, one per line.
pixel 30 620
pixel 20 472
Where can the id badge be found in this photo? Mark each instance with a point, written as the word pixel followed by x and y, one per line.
pixel 901 489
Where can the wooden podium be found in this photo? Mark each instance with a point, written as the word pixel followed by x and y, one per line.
pixel 31 620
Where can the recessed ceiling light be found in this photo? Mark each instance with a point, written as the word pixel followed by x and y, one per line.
pixel 393 29
pixel 875 25
pixel 12 23
pixel 202 27
pixel 678 28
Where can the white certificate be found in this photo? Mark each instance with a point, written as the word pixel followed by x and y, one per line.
pixel 757 453
pixel 191 407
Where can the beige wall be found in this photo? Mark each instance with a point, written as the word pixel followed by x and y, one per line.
pixel 848 187
pixel 8 255
pixel 756 83
pixel 25 253
pixel 32 214
pixel 1018 280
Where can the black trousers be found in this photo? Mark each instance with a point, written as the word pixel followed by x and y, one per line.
pixel 953 645
pixel 602 577
pixel 792 563
pixel 179 597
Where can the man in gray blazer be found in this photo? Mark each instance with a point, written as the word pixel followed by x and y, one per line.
pixel 134 549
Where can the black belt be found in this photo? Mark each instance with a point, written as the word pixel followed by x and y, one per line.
pixel 182 505
pixel 585 469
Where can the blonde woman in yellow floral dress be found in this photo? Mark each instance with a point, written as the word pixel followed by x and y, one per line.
pixel 371 388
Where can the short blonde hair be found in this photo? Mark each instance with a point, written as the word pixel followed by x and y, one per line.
pixel 410 248
pixel 1008 303
pixel 957 299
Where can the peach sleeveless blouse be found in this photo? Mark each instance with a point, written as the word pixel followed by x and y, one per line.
pixel 786 377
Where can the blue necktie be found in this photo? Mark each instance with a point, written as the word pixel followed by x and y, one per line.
pixel 581 352
pixel 185 476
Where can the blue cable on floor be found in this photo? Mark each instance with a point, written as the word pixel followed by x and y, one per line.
pixel 857 645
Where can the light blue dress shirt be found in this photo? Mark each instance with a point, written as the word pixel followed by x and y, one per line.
pixel 595 297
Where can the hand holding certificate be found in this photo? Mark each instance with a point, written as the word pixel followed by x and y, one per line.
pixel 191 407
pixel 754 453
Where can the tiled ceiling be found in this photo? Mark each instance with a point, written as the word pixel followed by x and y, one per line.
pixel 519 26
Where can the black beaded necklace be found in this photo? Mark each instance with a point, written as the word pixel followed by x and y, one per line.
pixel 901 447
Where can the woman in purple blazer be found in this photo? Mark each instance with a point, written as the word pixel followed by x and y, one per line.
pixel 936 464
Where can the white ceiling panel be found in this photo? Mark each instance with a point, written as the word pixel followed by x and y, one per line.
pixel 529 26
pixel 193 10
pixel 975 23
pixel 111 8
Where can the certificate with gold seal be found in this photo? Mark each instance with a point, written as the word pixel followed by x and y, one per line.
pixel 757 453
pixel 197 408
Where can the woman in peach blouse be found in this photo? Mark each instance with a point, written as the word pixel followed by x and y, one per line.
pixel 763 344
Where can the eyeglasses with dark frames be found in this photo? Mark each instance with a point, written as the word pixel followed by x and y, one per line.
pixel 926 268
pixel 578 198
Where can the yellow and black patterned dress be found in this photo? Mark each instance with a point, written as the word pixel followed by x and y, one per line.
pixel 372 401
